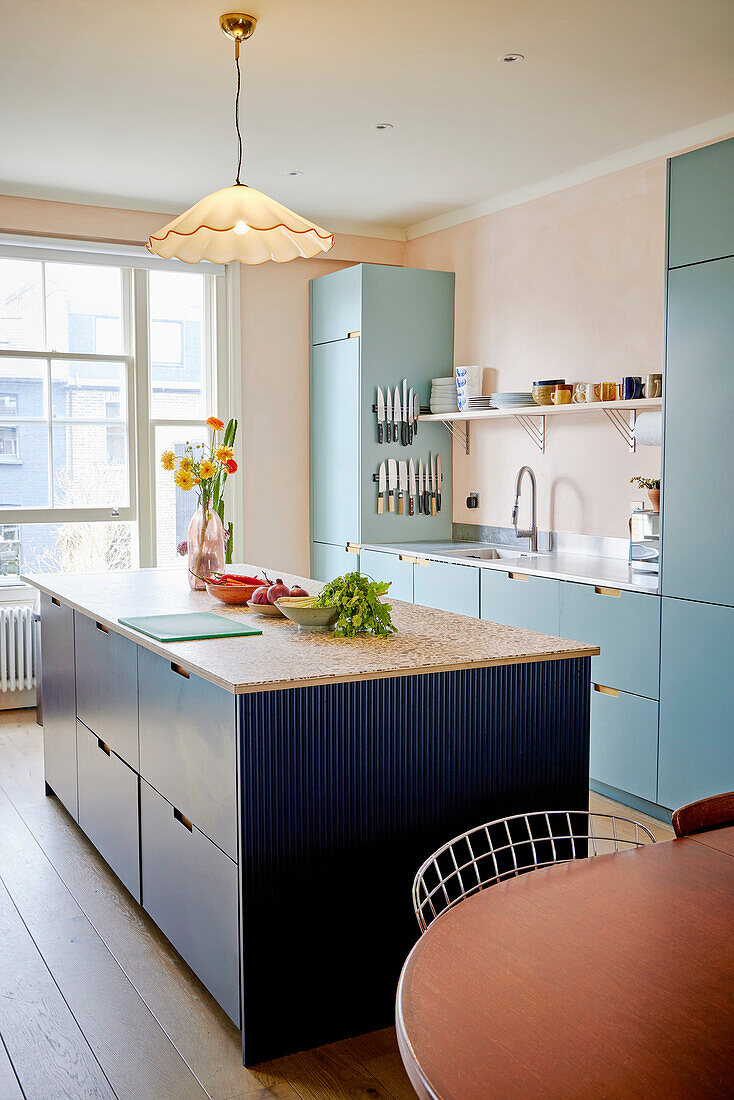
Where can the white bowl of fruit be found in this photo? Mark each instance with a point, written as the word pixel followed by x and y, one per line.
pixel 263 599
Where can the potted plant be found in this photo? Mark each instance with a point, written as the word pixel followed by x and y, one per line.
pixel 652 484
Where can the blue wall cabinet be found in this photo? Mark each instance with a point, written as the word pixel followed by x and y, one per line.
pixel 59 701
pixel 389 567
pixel 699 441
pixel 696 702
pixel 626 627
pixel 624 742
pixel 516 599
pixel 446 586
pixel 405 321
pixel 701 205
pixel 329 561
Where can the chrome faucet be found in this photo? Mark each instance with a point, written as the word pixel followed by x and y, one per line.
pixel 532 533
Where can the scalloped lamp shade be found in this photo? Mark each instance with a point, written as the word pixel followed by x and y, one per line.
pixel 239 223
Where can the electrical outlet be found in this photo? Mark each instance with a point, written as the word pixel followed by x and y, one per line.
pixel 472 501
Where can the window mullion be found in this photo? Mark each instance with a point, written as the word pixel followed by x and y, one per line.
pixel 144 441
pixel 49 396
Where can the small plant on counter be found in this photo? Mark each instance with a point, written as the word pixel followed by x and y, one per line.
pixel 360 609
pixel 645 482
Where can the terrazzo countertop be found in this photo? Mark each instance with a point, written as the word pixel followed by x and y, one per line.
pixel 282 657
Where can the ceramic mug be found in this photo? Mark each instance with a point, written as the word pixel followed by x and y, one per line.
pixel 630 388
pixel 609 391
pixel 653 385
pixel 586 392
pixel 562 395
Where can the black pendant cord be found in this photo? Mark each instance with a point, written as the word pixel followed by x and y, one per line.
pixel 237 117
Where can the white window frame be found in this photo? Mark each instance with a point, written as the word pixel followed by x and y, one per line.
pixel 223 386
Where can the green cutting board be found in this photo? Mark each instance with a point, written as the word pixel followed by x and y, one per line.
pixel 188 627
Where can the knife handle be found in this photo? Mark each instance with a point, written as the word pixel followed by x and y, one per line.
pixel 380 504
pixel 438 502
pixel 404 433
pixel 379 431
pixel 410 435
pixel 433 505
pixel 400 504
pixel 427 503
pixel 395 431
pixel 411 506
pixel 390 501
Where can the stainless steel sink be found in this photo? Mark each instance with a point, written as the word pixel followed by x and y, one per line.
pixel 495 553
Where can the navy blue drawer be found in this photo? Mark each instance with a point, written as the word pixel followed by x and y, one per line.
pixel 187 746
pixel 59 705
pixel 625 626
pixel 107 686
pixel 624 742
pixel 190 891
pixel 108 807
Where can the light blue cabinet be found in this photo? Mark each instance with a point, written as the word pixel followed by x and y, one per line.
pixel 336 305
pixel 696 702
pixel 625 626
pixel 516 599
pixel 698 520
pixel 701 212
pixel 329 561
pixel 389 567
pixel 446 586
pixel 334 447
pixel 624 743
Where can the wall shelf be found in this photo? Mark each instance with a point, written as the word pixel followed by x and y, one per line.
pixel 622 414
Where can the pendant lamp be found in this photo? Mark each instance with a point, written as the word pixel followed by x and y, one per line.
pixel 238 222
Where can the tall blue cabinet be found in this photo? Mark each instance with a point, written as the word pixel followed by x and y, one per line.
pixel 696 736
pixel 372 326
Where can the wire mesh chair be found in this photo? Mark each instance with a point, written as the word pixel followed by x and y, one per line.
pixel 512 846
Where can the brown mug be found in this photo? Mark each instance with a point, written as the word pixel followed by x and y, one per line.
pixel 609 391
pixel 653 385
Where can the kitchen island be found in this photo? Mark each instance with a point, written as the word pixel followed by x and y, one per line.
pixel 267 799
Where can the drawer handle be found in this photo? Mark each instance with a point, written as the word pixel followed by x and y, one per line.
pixel 352 547
pixel 180 671
pixel 413 561
pixel 518 576
pixel 601 591
pixel 351 335
pixel 101 745
pixel 183 819
pixel 55 602
pixel 606 690
pixel 103 628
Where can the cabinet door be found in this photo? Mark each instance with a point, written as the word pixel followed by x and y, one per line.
pixel 447 587
pixel 335 442
pixel 699 442
pixel 59 701
pixel 696 702
pixel 624 743
pixel 701 206
pixel 108 807
pixel 516 599
pixel 107 686
pixel 389 567
pixel 336 305
pixel 328 561
pixel 626 627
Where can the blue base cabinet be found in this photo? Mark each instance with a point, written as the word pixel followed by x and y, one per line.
pixel 328 561
pixel 516 599
pixel 696 702
pixel 389 567
pixel 624 742
pixel 447 587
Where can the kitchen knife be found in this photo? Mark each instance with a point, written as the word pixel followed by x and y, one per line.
pixel 403 467
pixel 406 415
pixel 439 479
pixel 433 485
pixel 382 486
pixel 397 415
pixel 380 413
pixel 420 486
pixel 416 413
pixel 410 417
pixel 411 488
pixel 392 483
pixel 426 491
pixel 388 429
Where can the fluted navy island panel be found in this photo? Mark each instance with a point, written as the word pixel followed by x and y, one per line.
pixel 345 789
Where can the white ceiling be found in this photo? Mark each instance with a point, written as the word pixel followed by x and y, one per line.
pixel 130 102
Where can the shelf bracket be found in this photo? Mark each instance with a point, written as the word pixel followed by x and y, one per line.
pixel 534 426
pixel 462 437
pixel 625 427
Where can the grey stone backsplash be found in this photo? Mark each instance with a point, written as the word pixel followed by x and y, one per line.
pixel 560 542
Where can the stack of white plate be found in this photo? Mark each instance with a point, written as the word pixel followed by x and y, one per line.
pixel 443 395
pixel 479 403
pixel 511 399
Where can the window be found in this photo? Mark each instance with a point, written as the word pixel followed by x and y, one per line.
pixel 80 481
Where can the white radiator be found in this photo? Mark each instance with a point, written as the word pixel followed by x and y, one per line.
pixel 17 650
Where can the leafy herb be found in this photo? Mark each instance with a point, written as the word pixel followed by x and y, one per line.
pixel 360 609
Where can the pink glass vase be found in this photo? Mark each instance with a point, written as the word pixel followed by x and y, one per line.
pixel 205 546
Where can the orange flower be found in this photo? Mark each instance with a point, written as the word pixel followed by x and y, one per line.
pixel 168 460
pixel 223 454
pixel 231 466
pixel 215 423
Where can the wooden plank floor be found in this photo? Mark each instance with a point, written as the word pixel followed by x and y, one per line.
pixel 94 1001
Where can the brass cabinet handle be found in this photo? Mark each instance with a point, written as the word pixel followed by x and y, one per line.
pixel 351 335
pixel 185 821
pixel 412 560
pixel 56 602
pixel 103 628
pixel 180 671
pixel 518 576
pixel 352 547
pixel 602 591
pixel 101 745
pixel 604 690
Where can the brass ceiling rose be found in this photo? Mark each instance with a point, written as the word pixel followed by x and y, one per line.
pixel 237 25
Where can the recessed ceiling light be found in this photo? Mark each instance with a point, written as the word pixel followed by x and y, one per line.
pixel 294 172
pixel 510 58
pixel 382 125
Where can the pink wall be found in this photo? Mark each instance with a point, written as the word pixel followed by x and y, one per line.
pixel 570 285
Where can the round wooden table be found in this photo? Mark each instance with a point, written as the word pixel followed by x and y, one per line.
pixel 611 977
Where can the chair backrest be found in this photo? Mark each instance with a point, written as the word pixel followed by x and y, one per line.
pixel 707 813
pixel 512 846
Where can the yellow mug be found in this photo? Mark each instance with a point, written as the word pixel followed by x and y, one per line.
pixel 562 395
pixel 609 391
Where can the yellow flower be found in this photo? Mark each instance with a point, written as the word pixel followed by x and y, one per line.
pixel 168 460
pixel 207 469
pixel 185 463
pixel 223 453
pixel 216 423
pixel 183 479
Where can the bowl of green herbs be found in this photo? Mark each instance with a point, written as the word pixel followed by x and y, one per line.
pixel 357 598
